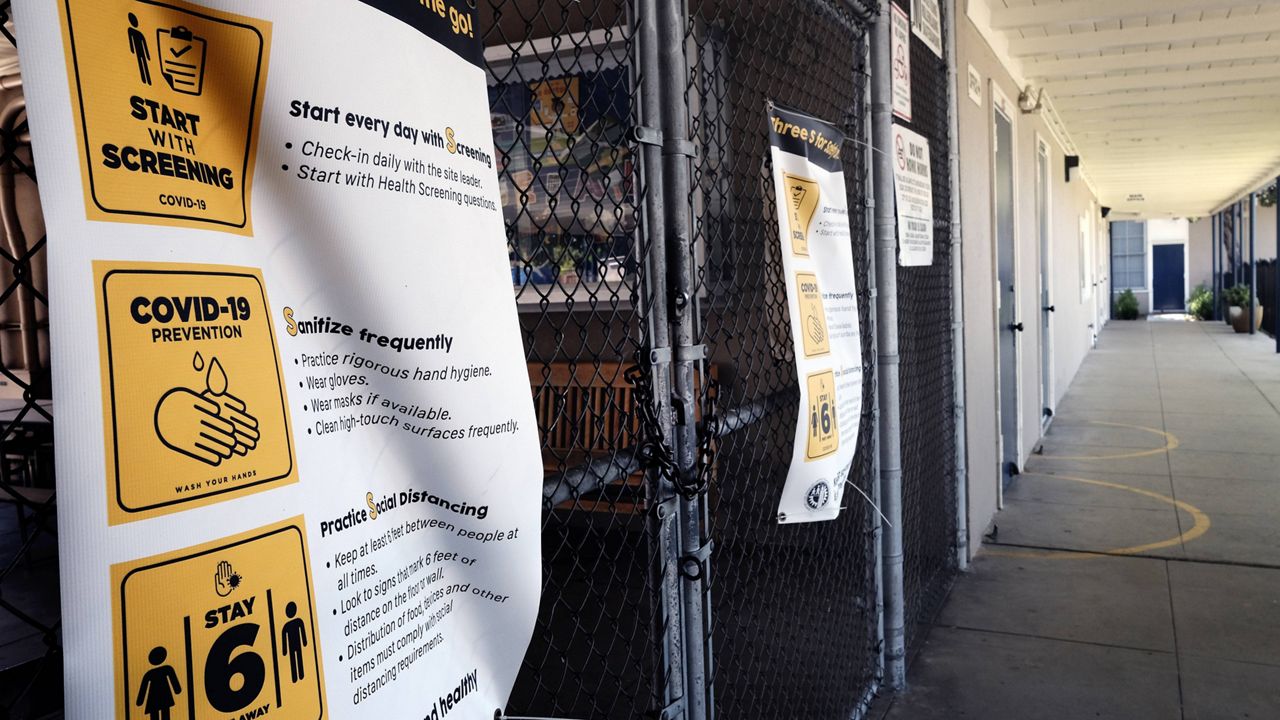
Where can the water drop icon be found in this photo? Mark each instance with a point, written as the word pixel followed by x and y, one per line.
pixel 216 379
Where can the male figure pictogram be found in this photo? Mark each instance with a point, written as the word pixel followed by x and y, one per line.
pixel 158 686
pixel 138 47
pixel 294 637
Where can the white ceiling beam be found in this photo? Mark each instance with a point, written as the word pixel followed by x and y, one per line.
pixel 1173 79
pixel 1181 114
pixel 1226 92
pixel 1174 162
pixel 1173 110
pixel 1229 175
pixel 1087 133
pixel 1103 159
pixel 1149 35
pixel 1202 131
pixel 1158 168
pixel 1172 58
pixel 1069 13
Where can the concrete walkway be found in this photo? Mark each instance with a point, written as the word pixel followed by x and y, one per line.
pixel 1136 569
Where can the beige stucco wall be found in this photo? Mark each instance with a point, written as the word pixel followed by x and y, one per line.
pixel 1075 310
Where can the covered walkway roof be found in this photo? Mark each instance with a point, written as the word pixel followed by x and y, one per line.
pixel 1172 105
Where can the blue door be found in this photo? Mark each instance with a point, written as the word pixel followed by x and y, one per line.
pixel 1168 279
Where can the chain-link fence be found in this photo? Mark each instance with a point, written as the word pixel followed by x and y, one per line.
pixel 927 381
pixel 792 628
pixel 638 556
pixel 30 648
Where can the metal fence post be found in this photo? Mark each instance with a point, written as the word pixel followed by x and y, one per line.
pixel 957 295
pixel 1275 273
pixel 874 287
pixel 1253 260
pixel 1237 248
pixel 668 528
pixel 1213 260
pixel 677 151
pixel 890 428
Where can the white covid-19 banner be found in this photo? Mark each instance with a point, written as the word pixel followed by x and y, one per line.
pixel 298 464
pixel 822 302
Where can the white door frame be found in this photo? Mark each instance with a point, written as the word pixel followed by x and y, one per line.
pixel 1044 247
pixel 1001 105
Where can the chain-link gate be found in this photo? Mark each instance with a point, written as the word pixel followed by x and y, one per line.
pixel 642 551
pixel 30 649
pixel 564 98
pixel 927 382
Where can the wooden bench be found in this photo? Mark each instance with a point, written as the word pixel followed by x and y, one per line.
pixel 587 411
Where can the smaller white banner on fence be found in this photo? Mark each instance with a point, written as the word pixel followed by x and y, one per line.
pixel 822 305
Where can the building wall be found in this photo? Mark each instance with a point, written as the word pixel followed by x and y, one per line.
pixel 1071 204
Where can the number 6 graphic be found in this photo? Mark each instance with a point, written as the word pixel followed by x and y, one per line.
pixel 220 667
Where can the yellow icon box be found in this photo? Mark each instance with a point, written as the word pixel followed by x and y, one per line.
pixel 220 630
pixel 168 99
pixel 813 318
pixel 824 433
pixel 802 196
pixel 194 401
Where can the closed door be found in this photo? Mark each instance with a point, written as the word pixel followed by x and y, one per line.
pixel 1009 328
pixel 1168 278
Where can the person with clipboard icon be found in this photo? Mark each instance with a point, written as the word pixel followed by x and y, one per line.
pixel 181 59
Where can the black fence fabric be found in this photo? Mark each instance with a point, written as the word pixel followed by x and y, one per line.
pixel 30 643
pixel 1267 277
pixel 792 630
pixel 927 382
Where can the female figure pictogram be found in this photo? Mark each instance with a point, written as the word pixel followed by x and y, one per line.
pixel 158 686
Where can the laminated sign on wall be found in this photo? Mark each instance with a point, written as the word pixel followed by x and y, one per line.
pixel 900 57
pixel 299 474
pixel 822 304
pixel 913 195
pixel 926 24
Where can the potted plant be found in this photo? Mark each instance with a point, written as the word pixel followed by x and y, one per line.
pixel 1200 304
pixel 1238 298
pixel 1127 306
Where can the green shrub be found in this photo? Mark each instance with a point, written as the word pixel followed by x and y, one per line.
pixel 1127 306
pixel 1200 304
pixel 1238 296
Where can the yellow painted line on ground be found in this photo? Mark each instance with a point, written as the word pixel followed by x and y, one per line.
pixel 1170 443
pixel 1201 526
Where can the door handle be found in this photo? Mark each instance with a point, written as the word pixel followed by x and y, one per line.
pixel 1016 327
pixel 1051 308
